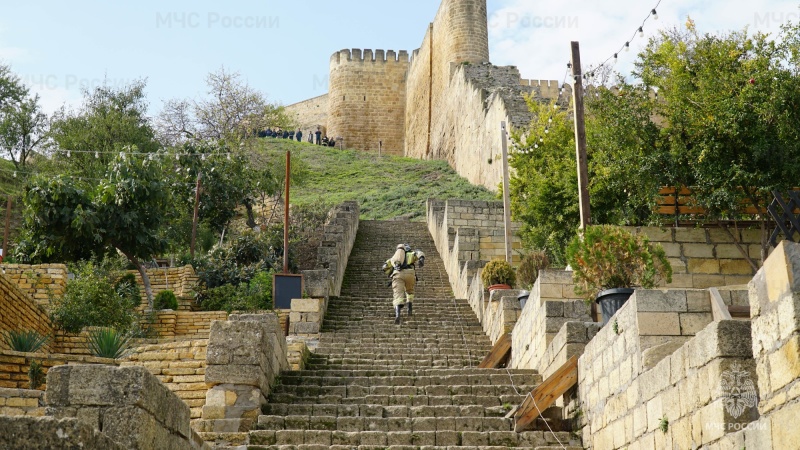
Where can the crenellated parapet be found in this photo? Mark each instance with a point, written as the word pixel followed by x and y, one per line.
pixel 365 56
pixel 549 89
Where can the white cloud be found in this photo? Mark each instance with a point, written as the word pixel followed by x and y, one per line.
pixel 535 36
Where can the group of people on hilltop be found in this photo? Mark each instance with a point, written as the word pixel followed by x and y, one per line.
pixel 314 137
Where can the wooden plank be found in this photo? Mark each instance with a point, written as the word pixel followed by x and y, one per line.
pixel 499 353
pixel 719 309
pixel 738 311
pixel 547 393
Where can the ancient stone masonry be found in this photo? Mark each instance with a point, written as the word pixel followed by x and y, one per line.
pixel 41 282
pixel 446 103
pixel 339 234
pixel 18 311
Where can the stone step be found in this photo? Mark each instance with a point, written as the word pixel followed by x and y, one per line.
pixel 351 424
pixel 493 376
pixel 368 440
pixel 387 378
pixel 414 391
pixel 380 411
pixel 400 400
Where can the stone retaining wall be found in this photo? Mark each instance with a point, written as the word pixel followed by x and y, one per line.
pixel 41 282
pixel 18 311
pixel 338 237
pixel 21 402
pixel 14 365
pixel 181 366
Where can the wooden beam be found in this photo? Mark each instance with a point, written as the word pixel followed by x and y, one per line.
pixel 719 309
pixel 499 353
pixel 547 393
pixel 580 138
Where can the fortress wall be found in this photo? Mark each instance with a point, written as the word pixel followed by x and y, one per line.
pixel 367 99
pixel 458 34
pixel 310 114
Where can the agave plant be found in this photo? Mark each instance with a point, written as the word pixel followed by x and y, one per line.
pixel 108 343
pixel 25 340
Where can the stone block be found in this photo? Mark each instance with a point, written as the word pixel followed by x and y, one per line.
pixel 692 323
pixel 673 300
pixel 735 267
pixel 703 266
pixel 698 300
pixel 784 364
pixel 698 250
pixel 311 305
pixel 659 324
pixel 48 432
pixel 690 235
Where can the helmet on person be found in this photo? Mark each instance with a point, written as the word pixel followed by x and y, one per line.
pixel 406 247
pixel 401 246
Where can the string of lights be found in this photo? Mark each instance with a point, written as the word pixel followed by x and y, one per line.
pixel 639 32
pixel 22 173
pixel 149 155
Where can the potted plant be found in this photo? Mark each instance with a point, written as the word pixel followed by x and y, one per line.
pixel 498 274
pixel 608 262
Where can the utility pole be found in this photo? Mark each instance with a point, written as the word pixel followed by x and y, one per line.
pixel 506 193
pixel 286 216
pixel 196 214
pixel 580 138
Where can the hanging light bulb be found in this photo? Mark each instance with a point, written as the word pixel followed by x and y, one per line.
pixel 654 14
pixel 536 146
pixel 15 174
pixel 615 58
pixel 550 120
pixel 229 156
pixel 203 157
pixel 627 46
pixel 641 31
pixel 177 157
pixel 541 139
pixel 546 130
pixel 69 154
pixel 96 155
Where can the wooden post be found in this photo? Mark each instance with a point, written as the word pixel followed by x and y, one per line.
pixel 506 193
pixel 4 253
pixel 286 216
pixel 196 214
pixel 580 138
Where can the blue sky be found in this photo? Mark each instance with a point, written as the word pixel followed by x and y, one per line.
pixel 282 47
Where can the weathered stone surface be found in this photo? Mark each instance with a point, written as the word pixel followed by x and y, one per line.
pixel 660 300
pixel 36 433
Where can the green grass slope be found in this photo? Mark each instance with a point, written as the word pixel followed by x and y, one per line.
pixel 384 186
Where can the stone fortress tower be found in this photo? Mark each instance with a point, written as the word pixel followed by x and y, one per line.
pixel 445 102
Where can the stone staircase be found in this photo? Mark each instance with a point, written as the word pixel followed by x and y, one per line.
pixel 375 385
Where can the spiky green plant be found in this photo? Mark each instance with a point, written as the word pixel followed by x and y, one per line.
pixel 35 375
pixel 108 343
pixel 25 340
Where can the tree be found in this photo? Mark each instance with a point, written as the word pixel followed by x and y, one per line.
pixel 22 123
pixel 66 218
pixel 232 111
pixel 23 127
pixel 110 121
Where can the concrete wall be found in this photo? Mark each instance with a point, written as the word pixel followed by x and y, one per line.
pixel 367 99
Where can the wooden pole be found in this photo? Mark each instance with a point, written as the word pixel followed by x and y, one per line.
pixel 580 138
pixel 286 216
pixel 196 214
pixel 6 231
pixel 506 193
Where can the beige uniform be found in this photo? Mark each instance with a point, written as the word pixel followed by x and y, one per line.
pixel 403 281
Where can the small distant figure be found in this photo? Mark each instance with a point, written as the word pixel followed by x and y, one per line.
pixel 332 143
pixel 285 134
pixel 291 135
pixel 401 270
pixel 310 137
pixel 318 134
pixel 299 136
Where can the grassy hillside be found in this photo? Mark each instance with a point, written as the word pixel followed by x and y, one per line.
pixel 384 186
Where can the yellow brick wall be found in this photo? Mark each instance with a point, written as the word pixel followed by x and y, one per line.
pixel 179 365
pixel 14 365
pixel 18 311
pixel 41 282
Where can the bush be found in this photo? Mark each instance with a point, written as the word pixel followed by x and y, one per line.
pixel 35 375
pixel 108 343
pixel 610 257
pixel 253 296
pixel 498 271
pixel 529 267
pixel 28 341
pixel 165 300
pixel 91 299
pixel 128 289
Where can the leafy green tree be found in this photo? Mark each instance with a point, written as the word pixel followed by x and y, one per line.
pixel 11 87
pixel 66 218
pixel 111 120
pixel 94 298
